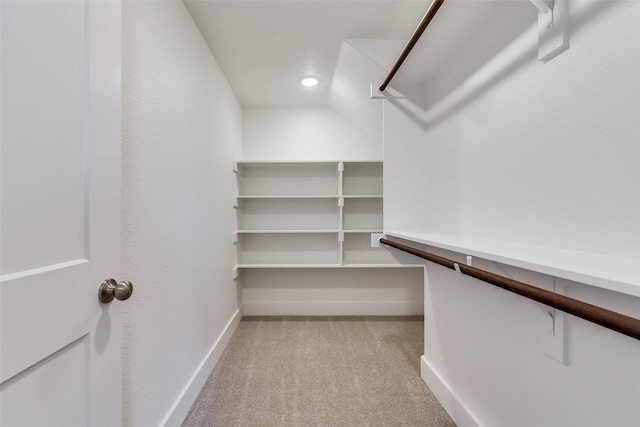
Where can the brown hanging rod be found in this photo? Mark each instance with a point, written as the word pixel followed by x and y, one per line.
pixel 431 12
pixel 601 316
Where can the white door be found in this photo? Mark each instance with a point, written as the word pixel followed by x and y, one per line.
pixel 60 212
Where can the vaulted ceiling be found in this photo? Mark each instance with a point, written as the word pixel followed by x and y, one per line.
pixel 264 47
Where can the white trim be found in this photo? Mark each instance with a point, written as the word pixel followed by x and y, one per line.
pixel 181 407
pixel 449 400
pixel 40 270
pixel 347 308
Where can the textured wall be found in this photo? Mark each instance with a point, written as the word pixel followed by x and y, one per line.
pixel 181 132
pixel 545 154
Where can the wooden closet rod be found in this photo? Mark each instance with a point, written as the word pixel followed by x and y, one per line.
pixel 609 319
pixel 431 12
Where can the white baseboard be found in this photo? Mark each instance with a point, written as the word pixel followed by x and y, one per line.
pixel 449 400
pixel 274 308
pixel 185 400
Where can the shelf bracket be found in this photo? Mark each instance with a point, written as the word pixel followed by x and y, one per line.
pixel 553 28
pixel 551 328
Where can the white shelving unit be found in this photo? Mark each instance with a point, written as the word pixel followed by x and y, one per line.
pixel 309 214
pixel 615 273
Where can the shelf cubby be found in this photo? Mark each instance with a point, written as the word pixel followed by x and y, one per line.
pixel 288 214
pixel 362 214
pixel 288 248
pixel 309 214
pixel 287 179
pixel 362 179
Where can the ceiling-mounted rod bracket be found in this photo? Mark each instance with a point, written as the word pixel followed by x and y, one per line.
pixel 375 94
pixel 553 28
pixel 545 7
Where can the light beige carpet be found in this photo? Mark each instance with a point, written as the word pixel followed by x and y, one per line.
pixel 320 371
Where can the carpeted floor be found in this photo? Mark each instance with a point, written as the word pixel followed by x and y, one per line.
pixel 320 371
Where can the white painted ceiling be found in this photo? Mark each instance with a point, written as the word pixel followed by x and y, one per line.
pixel 264 47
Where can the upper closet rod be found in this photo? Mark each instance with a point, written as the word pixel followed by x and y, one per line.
pixel 431 12
pixel 618 322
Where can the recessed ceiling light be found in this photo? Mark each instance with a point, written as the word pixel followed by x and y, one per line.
pixel 309 81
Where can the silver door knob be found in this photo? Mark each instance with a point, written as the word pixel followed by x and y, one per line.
pixel 110 289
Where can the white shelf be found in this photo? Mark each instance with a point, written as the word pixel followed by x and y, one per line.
pixel 287 179
pixel 288 231
pixel 620 274
pixel 301 197
pixel 381 265
pixel 288 248
pixel 256 266
pixel 313 214
pixel 362 178
pixel 309 215
pixel 283 163
pixel 362 214
pixel 308 265
pixel 337 266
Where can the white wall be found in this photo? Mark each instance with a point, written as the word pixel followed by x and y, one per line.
pixel 335 292
pixel 350 89
pixel 543 154
pixel 485 352
pixel 304 133
pixel 181 132
pixel 546 154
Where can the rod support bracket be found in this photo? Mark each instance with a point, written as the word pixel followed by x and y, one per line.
pixel 387 94
pixel 545 9
pixel 553 28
